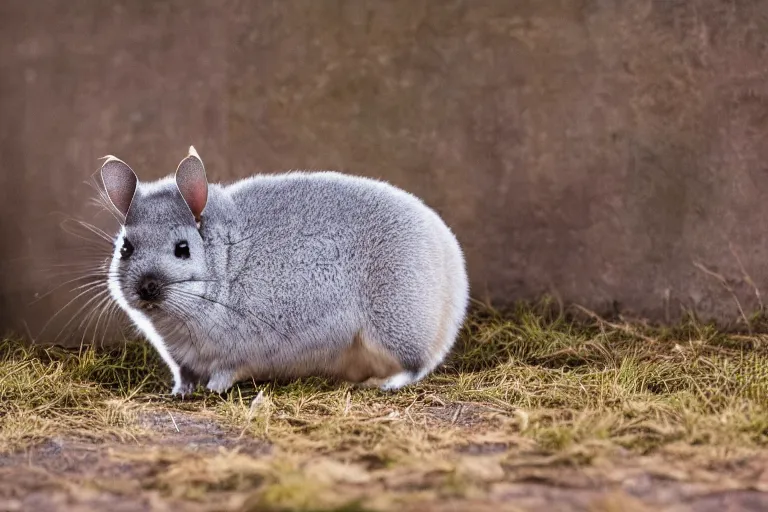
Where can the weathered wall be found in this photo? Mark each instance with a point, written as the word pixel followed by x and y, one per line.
pixel 595 149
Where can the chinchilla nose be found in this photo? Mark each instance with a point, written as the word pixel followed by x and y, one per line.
pixel 149 288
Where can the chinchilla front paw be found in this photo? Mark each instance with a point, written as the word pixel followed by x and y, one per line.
pixel 187 382
pixel 183 388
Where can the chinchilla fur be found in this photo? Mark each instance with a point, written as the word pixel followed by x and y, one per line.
pixel 284 276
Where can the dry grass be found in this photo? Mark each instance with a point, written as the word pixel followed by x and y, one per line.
pixel 528 395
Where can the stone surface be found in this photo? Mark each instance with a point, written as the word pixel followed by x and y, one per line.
pixel 593 149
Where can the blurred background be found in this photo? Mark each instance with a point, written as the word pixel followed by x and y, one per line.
pixel 610 153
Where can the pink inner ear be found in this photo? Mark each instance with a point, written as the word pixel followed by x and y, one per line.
pixel 193 185
pixel 119 183
pixel 196 198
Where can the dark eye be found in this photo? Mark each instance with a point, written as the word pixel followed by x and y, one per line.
pixel 182 250
pixel 126 250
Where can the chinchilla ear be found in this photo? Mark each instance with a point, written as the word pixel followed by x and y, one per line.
pixel 119 183
pixel 192 183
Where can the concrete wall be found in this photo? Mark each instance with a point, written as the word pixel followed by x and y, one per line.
pixel 596 149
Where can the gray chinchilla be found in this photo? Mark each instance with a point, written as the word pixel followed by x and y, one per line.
pixel 284 276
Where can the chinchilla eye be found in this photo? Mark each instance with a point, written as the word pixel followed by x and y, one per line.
pixel 182 250
pixel 126 250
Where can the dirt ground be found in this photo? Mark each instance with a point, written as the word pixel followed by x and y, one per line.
pixel 531 413
pixel 83 475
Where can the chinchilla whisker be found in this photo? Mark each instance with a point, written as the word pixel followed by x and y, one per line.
pixel 230 308
pixel 109 311
pixel 87 309
pixel 89 316
pixel 114 310
pixel 182 281
pixel 74 299
pixel 104 202
pixel 102 198
pixel 96 231
pixel 100 240
pixel 102 307
pixel 93 280
pixel 84 259
pixel 96 283
pixel 187 293
pixel 83 271
pixel 79 311
pixel 104 321
pixel 87 227
pixel 184 318
pixel 71 301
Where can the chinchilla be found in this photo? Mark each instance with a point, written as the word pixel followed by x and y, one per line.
pixel 284 276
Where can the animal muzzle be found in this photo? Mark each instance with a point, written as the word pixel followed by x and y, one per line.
pixel 149 289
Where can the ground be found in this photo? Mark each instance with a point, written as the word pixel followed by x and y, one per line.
pixel 535 410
